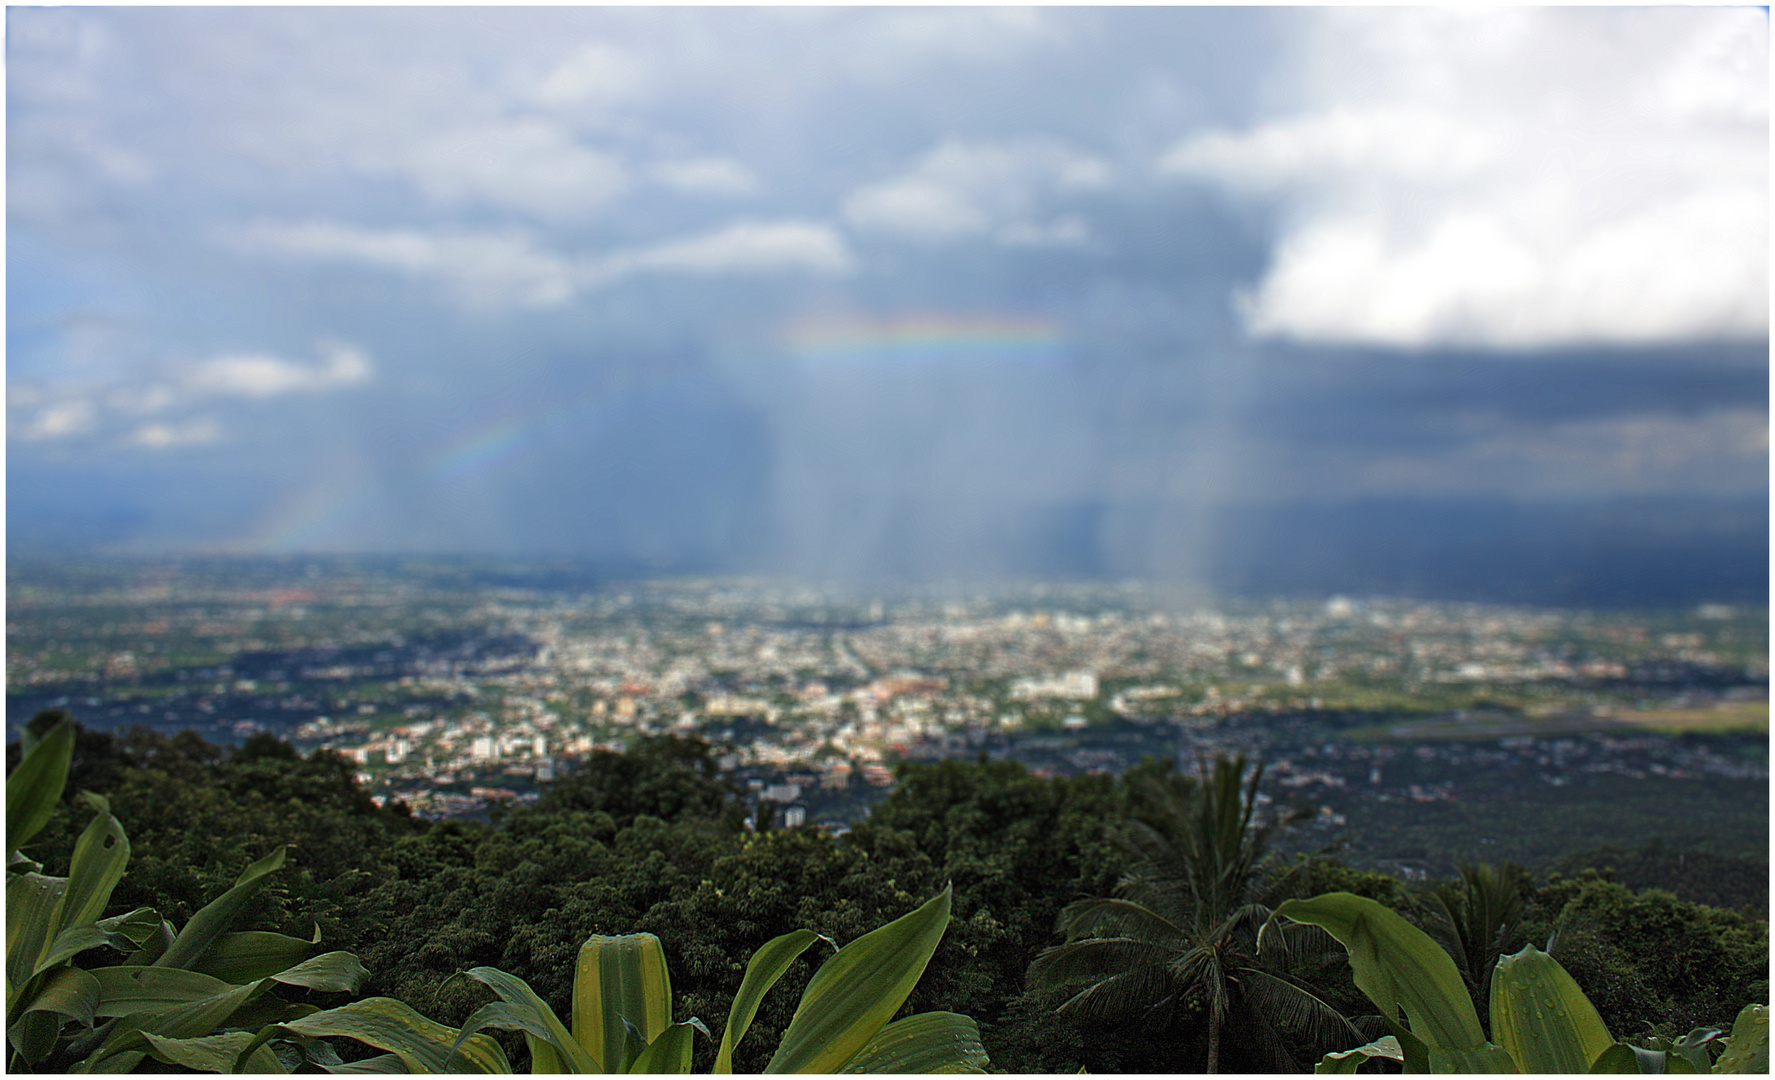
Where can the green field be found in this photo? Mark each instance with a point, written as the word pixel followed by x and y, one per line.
pixel 1726 717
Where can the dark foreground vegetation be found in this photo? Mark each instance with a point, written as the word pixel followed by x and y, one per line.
pixel 1103 922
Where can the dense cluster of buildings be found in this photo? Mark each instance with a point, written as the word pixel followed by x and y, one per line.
pixel 818 708
pixel 448 702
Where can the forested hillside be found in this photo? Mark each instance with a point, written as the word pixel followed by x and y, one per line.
pixel 656 841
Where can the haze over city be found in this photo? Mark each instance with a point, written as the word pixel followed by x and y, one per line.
pixel 1459 305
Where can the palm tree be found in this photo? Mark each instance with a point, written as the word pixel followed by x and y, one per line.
pixel 1179 940
pixel 1478 918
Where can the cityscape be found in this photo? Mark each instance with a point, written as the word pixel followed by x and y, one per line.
pixel 1043 527
pixel 454 686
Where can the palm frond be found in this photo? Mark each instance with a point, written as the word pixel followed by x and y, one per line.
pixel 1294 1006
pixel 1258 1037
pixel 1093 958
pixel 1284 944
pixel 1157 855
pixel 1156 890
pixel 1105 917
pixel 1478 917
pixel 1138 993
pixel 1246 920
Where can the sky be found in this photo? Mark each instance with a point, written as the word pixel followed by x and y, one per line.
pixel 1470 304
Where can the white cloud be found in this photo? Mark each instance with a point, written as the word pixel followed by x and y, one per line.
pixel 598 74
pixel 463 117
pixel 707 176
pixel 503 269
pixel 525 163
pixel 260 376
pixel 916 207
pixel 1513 179
pixel 160 436
pixel 71 416
pixel 496 269
pixel 881 47
pixel 965 189
pixel 744 247
pixel 116 411
pixel 1402 143
pixel 482 269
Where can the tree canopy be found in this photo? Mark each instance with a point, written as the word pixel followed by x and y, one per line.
pixel 652 841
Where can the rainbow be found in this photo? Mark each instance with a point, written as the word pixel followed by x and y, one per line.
pixel 487 449
pixel 305 520
pixel 910 338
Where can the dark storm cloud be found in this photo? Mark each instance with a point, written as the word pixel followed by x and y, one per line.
pixel 524 279
pixel 1378 397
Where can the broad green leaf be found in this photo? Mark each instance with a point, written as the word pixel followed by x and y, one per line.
pixel 538 1032
pixel 197 1018
pixel 153 945
pixel 422 1045
pixel 120 932
pixel 503 1014
pixel 96 871
pixel 130 989
pixel 1484 1058
pixel 929 1042
pixel 242 956
pixel 31 900
pixel 187 1021
pixel 762 972
pixel 670 1053
pixel 100 856
pixel 137 925
pixel 213 1053
pixel 53 998
pixel 117 1063
pixel 1622 1058
pixel 268 1009
pixel 1747 1051
pixel 381 1063
pixel 337 972
pixel 83 1043
pixel 617 979
pixel 544 1058
pixel 533 1015
pixel 1398 966
pixel 34 1035
pixel 1417 1055
pixel 36 785
pixel 854 993
pixel 68 992
pixel 212 921
pixel 1541 1017
pixel 1348 1061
